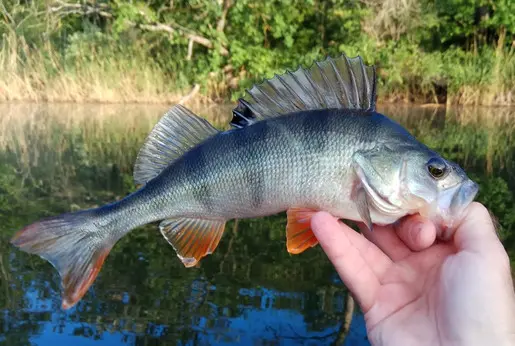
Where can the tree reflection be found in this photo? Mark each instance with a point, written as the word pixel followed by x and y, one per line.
pixel 249 291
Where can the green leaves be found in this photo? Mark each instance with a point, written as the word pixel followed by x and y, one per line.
pixel 130 13
pixel 426 50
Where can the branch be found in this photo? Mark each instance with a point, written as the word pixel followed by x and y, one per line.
pixel 190 50
pixel 189 35
pixel 173 28
pixel 221 22
pixel 190 95
pixel 62 9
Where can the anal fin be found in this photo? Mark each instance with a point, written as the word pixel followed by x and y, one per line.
pixel 192 239
pixel 299 236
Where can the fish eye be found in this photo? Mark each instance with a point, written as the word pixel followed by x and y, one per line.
pixel 437 168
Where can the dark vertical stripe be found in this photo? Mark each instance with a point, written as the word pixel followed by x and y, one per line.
pixel 315 126
pixel 258 190
pixel 249 139
pixel 197 176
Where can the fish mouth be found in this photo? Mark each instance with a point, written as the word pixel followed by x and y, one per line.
pixel 463 197
pixel 452 214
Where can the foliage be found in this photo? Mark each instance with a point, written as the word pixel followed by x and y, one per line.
pixel 457 51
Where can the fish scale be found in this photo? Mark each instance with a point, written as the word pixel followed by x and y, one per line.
pixel 285 154
pixel 287 151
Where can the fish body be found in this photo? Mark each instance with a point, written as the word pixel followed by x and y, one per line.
pixel 303 159
pixel 303 142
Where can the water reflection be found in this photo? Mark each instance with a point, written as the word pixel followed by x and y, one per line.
pixel 192 308
pixel 250 291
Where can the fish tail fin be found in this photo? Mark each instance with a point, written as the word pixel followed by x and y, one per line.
pixel 74 243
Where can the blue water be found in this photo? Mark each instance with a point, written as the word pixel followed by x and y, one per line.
pixel 257 318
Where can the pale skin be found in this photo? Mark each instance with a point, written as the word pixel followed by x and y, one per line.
pixel 415 290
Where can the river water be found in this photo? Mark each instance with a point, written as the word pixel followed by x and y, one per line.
pixel 57 158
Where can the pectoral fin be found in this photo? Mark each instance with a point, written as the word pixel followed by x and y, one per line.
pixel 299 236
pixel 362 206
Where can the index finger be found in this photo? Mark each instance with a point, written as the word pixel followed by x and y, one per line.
pixel 351 254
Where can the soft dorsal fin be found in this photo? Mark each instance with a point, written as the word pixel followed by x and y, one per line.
pixel 177 131
pixel 344 83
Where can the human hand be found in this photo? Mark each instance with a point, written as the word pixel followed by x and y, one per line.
pixel 415 291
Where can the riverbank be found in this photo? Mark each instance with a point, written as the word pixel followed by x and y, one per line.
pixel 114 77
pixel 209 52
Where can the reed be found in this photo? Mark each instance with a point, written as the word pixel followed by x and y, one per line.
pixel 161 51
pixel 43 75
pixel 107 73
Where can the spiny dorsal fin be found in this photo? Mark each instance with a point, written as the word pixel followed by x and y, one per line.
pixel 344 83
pixel 177 131
pixel 192 239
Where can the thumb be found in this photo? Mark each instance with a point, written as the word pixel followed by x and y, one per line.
pixel 476 231
pixel 476 235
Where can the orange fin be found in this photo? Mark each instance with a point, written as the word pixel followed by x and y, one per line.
pixel 77 284
pixel 192 239
pixel 299 236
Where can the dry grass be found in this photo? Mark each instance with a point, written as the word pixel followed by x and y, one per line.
pixel 492 95
pixel 43 75
pixel 40 75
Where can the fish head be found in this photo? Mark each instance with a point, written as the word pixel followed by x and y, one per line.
pixel 410 178
pixel 439 188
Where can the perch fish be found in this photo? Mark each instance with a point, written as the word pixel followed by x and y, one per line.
pixel 304 141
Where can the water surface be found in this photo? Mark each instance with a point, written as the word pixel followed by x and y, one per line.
pixel 57 158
